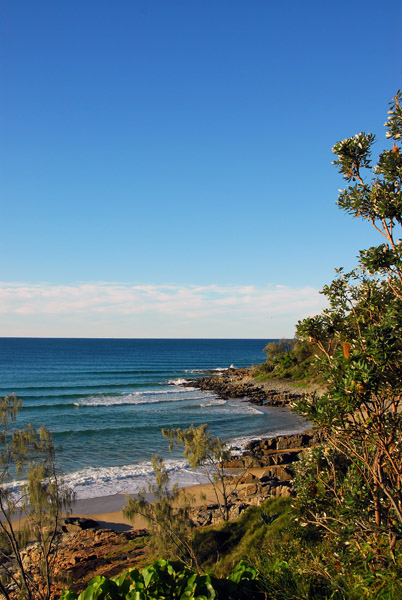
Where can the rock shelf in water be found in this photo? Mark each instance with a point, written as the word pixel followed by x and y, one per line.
pixel 237 383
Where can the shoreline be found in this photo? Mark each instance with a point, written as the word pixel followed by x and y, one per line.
pixel 235 384
pixel 112 504
pixel 108 510
pixel 98 540
pixel 109 482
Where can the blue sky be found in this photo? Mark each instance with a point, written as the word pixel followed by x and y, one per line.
pixel 166 164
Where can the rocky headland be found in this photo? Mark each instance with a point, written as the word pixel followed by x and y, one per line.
pixel 264 469
pixel 239 383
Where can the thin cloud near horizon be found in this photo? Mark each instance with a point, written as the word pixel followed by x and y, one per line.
pixel 112 308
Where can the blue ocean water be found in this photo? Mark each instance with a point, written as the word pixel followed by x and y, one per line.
pixel 106 400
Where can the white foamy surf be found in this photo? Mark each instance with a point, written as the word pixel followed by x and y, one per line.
pixel 106 401
pixel 179 381
pixel 128 479
pixel 143 397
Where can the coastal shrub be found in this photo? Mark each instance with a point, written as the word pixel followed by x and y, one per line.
pixel 289 359
pixel 41 499
pixel 167 514
pixel 351 488
pixel 276 350
pixel 169 580
pixel 222 546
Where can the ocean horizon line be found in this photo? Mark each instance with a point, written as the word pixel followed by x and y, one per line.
pixel 34 337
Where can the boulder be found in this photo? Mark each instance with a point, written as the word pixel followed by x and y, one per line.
pixel 78 524
pixel 279 472
pixel 246 478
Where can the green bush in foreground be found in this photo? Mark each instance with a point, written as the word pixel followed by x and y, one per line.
pixel 295 560
pixel 352 488
pixel 168 580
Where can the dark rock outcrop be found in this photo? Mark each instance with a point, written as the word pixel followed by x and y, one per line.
pixel 234 384
pixel 277 454
pixel 78 524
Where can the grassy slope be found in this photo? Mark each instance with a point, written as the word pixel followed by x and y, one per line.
pixel 269 538
pixel 295 562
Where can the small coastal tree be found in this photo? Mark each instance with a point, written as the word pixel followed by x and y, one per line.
pixel 209 453
pixel 167 509
pixel 287 359
pixel 40 501
pixel 167 513
pixel 352 486
pixel 277 352
pixel 277 349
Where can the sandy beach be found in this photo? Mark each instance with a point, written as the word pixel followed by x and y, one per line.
pixel 108 510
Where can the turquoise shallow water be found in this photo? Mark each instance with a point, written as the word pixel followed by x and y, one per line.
pixel 106 401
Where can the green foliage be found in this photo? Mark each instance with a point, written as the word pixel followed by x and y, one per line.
pixel 9 407
pixel 202 450
pixel 222 546
pixel 284 553
pixel 42 498
pixel 169 580
pixel 288 359
pixel 276 350
pixel 199 447
pixel 167 516
pixel 294 559
pixel 333 502
pixel 351 488
pixel 353 154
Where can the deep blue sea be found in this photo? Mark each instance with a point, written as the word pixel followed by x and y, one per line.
pixel 106 400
